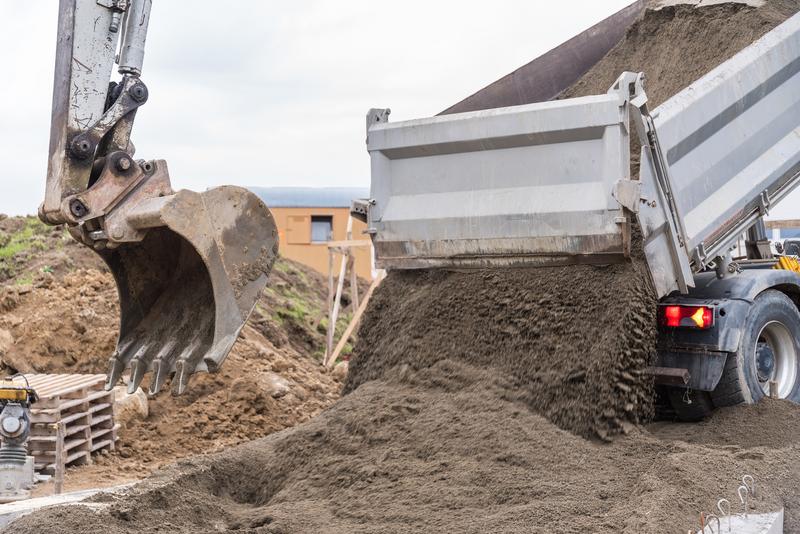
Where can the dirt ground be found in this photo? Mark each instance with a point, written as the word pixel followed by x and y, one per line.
pixel 446 449
pixel 476 399
pixel 59 314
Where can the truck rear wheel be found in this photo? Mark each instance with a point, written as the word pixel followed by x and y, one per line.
pixel 769 351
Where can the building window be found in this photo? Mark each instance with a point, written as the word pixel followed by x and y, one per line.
pixel 321 228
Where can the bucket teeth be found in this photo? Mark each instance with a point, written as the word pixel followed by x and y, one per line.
pixel 138 369
pixel 115 368
pixel 181 380
pixel 160 374
pixel 162 365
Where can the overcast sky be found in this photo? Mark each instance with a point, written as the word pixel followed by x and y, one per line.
pixel 274 93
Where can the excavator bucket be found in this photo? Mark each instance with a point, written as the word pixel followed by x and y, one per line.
pixel 188 286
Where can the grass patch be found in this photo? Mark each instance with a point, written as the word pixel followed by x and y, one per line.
pixel 27 238
pixel 281 266
pixel 297 307
pixel 24 280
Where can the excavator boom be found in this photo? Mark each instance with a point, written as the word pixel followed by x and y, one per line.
pixel 189 266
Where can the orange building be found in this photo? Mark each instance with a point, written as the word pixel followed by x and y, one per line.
pixel 308 218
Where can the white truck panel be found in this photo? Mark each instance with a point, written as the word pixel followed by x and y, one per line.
pixel 730 144
pixel 525 183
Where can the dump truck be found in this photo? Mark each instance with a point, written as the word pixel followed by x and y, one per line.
pixel 494 183
pixel 188 266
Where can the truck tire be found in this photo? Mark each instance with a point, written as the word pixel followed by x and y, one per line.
pixel 769 349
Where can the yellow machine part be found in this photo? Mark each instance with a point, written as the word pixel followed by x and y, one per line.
pixel 11 391
pixel 787 263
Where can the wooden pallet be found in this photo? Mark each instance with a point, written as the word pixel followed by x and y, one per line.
pixel 86 410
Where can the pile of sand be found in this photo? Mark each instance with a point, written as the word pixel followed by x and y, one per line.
pixel 462 386
pixel 445 449
pixel 574 341
pixel 677 45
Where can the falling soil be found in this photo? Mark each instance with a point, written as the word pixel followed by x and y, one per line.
pixel 574 340
pixel 472 393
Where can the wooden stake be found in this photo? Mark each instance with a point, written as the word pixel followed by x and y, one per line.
pixel 336 305
pixel 329 332
pixel 58 474
pixel 355 320
pixel 334 311
pixel 351 264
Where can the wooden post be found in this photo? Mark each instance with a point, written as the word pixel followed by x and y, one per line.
pixel 58 469
pixel 329 332
pixel 334 306
pixel 331 360
pixel 351 264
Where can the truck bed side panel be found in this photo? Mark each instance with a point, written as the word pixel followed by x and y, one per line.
pixel 731 142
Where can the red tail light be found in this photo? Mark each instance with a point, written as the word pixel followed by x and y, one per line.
pixel 674 316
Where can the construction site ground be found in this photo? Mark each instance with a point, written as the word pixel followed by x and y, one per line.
pixel 484 401
pixel 59 314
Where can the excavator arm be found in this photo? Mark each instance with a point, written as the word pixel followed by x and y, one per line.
pixel 188 266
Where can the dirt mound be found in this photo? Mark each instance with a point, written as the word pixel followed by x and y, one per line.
pixel 770 423
pixel 59 314
pixel 575 340
pixel 445 449
pixel 30 250
pixel 65 324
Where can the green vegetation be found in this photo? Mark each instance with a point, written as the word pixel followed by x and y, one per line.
pixel 298 307
pixel 294 302
pixel 282 266
pixel 29 237
pixel 18 239
pixel 24 280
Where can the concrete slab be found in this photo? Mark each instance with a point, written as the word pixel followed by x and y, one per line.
pixel 771 523
pixel 11 511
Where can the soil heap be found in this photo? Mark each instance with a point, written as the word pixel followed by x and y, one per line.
pixel 444 449
pixel 59 313
pixel 574 341
pixel 446 427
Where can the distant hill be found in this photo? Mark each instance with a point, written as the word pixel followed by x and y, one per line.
pixel 309 197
